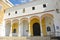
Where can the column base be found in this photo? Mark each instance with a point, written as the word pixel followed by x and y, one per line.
pixel 41 34
pixel 10 35
pixel 30 35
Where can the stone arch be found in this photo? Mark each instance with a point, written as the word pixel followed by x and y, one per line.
pixel 7 21
pixel 49 15
pixel 15 24
pixel 15 20
pixel 37 17
pixel 24 26
pixel 34 19
pixel 21 20
pixel 46 19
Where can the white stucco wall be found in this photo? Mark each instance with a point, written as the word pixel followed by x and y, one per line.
pixel 2 29
pixel 50 5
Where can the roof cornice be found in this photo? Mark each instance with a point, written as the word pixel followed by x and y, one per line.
pixel 8 2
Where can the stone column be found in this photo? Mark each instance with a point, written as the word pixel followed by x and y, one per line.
pixel 19 32
pixel 41 27
pixel 11 29
pixel 29 27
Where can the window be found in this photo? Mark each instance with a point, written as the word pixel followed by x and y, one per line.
pixel 48 28
pixel 33 8
pixel 15 12
pixel 24 10
pixel 44 5
pixel 57 10
pixel 9 14
pixel 57 27
pixel 14 31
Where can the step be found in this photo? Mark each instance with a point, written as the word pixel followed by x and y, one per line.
pixel 25 38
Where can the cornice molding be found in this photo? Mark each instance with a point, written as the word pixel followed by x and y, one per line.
pixel 8 2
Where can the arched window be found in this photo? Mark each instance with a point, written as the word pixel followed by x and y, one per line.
pixel 44 5
pixel 8 13
pixel 33 8
pixel 14 31
pixel 48 28
pixel 15 12
pixel 24 10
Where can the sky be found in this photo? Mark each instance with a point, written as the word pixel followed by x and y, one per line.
pixel 17 2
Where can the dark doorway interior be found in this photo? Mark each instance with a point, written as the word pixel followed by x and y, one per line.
pixel 36 29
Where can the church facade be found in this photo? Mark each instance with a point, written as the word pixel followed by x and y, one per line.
pixel 36 18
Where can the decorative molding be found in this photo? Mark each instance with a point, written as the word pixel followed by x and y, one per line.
pixel 9 2
pixel 31 14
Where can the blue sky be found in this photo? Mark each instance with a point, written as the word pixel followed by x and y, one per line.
pixel 17 2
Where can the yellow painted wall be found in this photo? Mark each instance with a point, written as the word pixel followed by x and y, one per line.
pixel 44 27
pixel 15 26
pixel 4 7
pixel 31 25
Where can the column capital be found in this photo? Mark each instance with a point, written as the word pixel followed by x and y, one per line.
pixel 29 19
pixel 19 19
pixel 11 20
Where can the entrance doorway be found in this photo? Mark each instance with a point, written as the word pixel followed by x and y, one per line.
pixel 36 29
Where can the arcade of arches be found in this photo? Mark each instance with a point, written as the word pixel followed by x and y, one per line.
pixel 34 26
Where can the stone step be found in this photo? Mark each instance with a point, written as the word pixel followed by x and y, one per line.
pixel 25 38
pixel 54 39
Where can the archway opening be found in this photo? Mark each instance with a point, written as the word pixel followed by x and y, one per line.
pixel 36 29
pixel 35 23
pixel 15 27
pixel 47 24
pixel 24 27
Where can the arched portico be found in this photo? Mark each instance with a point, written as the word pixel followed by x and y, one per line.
pixel 31 26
